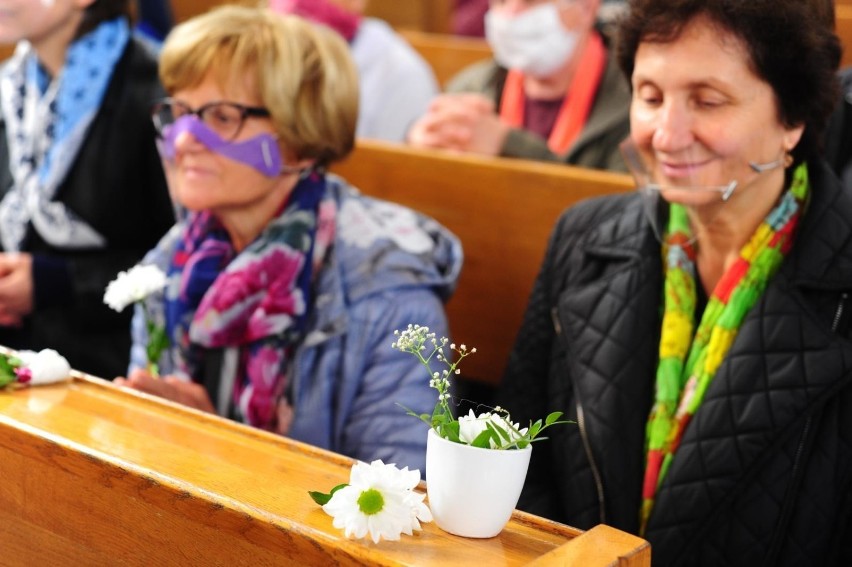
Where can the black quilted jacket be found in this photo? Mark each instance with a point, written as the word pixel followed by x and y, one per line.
pixel 764 472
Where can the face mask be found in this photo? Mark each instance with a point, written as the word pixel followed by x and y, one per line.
pixel 534 42
pixel 323 12
pixel 260 152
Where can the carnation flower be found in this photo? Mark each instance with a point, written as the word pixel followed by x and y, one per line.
pixel 34 368
pixel 379 501
pixel 134 285
pixel 472 426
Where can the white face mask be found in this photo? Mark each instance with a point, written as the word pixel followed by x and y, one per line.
pixel 534 42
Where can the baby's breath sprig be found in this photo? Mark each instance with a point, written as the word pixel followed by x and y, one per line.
pixel 494 430
pixel 418 341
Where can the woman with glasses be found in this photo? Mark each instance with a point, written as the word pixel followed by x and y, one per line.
pixel 82 191
pixel 699 331
pixel 284 283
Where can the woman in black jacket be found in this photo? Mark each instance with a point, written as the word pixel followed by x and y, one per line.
pixel 699 331
pixel 82 191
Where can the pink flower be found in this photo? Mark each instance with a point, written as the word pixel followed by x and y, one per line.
pixel 24 374
pixel 272 272
pixel 243 303
pixel 264 367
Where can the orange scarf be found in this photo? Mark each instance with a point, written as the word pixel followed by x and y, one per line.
pixel 577 103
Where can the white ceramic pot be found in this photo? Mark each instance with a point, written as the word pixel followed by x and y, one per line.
pixel 472 491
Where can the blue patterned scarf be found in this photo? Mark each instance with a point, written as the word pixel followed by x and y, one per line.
pixel 47 120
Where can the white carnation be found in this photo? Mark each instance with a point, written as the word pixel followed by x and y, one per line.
pixel 46 366
pixel 471 425
pixel 134 285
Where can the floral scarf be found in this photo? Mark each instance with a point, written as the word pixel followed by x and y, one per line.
pixel 688 364
pixel 256 300
pixel 46 124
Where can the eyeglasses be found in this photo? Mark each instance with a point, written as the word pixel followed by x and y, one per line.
pixel 224 118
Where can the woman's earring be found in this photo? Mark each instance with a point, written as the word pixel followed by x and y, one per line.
pixel 788 159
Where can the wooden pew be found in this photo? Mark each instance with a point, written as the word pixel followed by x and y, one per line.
pixel 502 210
pixel 97 475
pixel 182 10
pixel 424 15
pixel 843 27
pixel 447 54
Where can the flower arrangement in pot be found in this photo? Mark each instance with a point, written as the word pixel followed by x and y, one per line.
pixel 475 464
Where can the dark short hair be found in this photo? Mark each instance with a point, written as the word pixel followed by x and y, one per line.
pixel 100 11
pixel 792 47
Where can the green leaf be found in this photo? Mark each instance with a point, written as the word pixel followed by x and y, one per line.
pixel 534 429
pixel 499 432
pixel 158 341
pixel 6 379
pixel 7 369
pixel 450 431
pixel 483 440
pixel 551 418
pixel 321 498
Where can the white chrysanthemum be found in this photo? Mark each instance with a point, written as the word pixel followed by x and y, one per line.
pixel 379 501
pixel 471 425
pixel 45 367
pixel 134 285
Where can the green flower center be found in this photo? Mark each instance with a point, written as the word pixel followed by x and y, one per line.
pixel 371 502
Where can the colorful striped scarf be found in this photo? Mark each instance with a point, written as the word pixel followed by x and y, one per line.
pixel 688 364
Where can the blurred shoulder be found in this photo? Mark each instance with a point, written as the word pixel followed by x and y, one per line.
pixel 138 74
pixel 484 77
pixel 591 213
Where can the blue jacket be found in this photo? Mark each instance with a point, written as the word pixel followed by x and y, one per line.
pixel 347 383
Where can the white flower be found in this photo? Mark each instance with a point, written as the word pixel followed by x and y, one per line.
pixel 379 500
pixel 471 425
pixel 44 367
pixel 134 285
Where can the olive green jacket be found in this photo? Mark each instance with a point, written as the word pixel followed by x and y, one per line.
pixel 596 146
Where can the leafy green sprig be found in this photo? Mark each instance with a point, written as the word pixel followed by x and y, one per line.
pixel 493 429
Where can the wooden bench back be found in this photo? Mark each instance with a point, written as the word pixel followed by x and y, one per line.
pixel 502 210
pixel 843 27
pixel 424 15
pixel 447 54
pixel 97 475
pixel 183 10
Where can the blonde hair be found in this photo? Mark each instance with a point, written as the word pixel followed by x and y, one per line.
pixel 302 73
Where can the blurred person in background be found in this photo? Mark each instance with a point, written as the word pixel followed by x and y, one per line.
pixel 552 92
pixel 469 17
pixel 153 20
pixel 82 191
pixel 396 83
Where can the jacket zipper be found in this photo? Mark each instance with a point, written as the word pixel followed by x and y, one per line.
pixel 775 548
pixel 843 297
pixel 581 425
pixel 787 510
